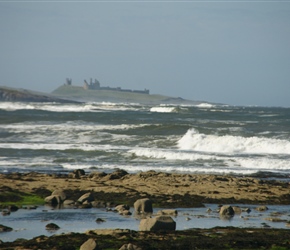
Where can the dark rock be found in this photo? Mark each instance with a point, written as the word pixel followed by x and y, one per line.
pixel 52 227
pixel 118 174
pixel 79 172
pixel 13 208
pixel 100 220
pixel 5 228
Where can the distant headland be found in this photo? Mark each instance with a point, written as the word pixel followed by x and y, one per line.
pixel 96 85
pixel 91 91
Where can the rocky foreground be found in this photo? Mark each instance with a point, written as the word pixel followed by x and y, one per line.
pixel 163 190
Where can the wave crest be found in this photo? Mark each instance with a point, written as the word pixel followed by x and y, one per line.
pixel 229 144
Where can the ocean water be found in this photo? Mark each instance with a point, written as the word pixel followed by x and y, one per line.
pixel 217 139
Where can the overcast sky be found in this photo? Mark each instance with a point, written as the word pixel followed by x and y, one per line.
pixel 234 52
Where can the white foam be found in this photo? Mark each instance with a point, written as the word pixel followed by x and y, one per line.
pixel 61 147
pixel 163 109
pixel 228 144
pixel 73 107
pixel 205 105
pixel 164 168
pixel 170 154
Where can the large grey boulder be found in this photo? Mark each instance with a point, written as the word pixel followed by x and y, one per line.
pixel 227 211
pixel 143 206
pixel 90 244
pixel 158 223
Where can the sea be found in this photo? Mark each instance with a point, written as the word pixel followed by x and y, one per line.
pixel 201 139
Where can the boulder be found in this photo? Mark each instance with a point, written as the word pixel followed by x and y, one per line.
pixel 86 197
pixel 227 211
pixel 60 193
pixel 13 208
pixel 130 247
pixel 77 173
pixel 172 212
pixel 118 174
pixel 261 208
pixel 143 206
pixel 68 202
pixel 53 199
pixel 122 207
pixel 90 244
pixel 158 223
pixel 52 227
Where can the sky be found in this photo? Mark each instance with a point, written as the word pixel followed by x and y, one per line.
pixel 234 52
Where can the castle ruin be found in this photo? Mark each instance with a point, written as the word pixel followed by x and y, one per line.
pixel 95 85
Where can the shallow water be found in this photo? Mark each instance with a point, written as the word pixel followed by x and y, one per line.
pixel 28 224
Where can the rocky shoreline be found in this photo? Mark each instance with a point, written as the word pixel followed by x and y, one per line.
pixel 170 190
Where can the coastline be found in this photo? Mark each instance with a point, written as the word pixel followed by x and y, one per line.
pixel 167 190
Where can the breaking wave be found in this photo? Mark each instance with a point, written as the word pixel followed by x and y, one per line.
pixel 228 144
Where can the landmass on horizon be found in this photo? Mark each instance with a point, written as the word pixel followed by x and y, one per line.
pixel 90 92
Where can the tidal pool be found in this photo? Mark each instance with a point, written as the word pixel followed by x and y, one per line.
pixel 29 223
